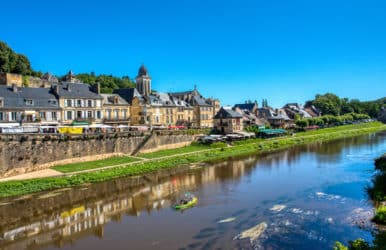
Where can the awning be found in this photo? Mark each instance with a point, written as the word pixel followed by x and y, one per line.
pixel 9 125
pixel 80 123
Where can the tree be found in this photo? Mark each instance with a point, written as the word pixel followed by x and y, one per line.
pixel 302 123
pixel 11 62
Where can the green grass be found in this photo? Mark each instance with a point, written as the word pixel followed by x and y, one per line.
pixel 74 167
pixel 12 188
pixel 169 152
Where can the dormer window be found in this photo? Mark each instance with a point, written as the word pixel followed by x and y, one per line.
pixel 29 102
pixel 52 102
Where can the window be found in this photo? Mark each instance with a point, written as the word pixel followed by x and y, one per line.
pixel 89 114
pixel 78 114
pixel 42 115
pixel 29 102
pixel 1 102
pixel 89 103
pixel 108 114
pixel 69 103
pixel 52 102
pixel 1 116
pixel 13 116
pixel 98 114
pixel 79 103
pixel 53 116
pixel 116 113
pixel 124 114
pixel 69 115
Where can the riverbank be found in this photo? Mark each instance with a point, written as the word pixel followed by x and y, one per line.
pixel 171 159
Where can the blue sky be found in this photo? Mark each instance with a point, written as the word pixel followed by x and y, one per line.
pixel 284 51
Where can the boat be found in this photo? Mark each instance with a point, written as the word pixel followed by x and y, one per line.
pixel 188 201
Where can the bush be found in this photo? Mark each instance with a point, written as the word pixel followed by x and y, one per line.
pixel 380 215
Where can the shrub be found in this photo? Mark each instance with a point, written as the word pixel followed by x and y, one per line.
pixel 380 215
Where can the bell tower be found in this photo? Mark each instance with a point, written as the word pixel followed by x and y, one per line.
pixel 143 81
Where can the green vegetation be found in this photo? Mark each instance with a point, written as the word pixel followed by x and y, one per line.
pixel 74 167
pixel 194 147
pixel 380 163
pixel 12 62
pixel 331 120
pixel 358 244
pixel 331 104
pixel 107 82
pixel 380 215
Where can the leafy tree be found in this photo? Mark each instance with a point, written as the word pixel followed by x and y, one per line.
pixel 11 62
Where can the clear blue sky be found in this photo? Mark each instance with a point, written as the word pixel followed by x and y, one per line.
pixel 285 51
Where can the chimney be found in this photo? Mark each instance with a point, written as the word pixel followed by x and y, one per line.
pixel 68 87
pixel 14 88
pixel 96 88
pixel 55 88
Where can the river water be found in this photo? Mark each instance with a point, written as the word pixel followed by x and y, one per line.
pixel 306 197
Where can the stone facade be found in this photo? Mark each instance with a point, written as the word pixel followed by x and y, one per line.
pixel 27 153
pixel 10 79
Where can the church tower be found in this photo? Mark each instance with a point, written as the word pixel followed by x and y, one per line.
pixel 143 81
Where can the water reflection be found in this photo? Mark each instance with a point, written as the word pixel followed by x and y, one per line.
pixel 65 216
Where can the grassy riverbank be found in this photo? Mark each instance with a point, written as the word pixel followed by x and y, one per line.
pixel 178 157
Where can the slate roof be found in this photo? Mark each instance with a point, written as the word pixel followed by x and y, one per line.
pixel 200 101
pixel 108 99
pixel 227 113
pixel 41 98
pixel 128 94
pixel 77 90
pixel 247 106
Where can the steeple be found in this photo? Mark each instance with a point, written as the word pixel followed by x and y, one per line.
pixel 143 81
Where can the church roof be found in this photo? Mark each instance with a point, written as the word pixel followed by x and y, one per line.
pixel 143 71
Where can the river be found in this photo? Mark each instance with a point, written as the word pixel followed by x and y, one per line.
pixel 306 197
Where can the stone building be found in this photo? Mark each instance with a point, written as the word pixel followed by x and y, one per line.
pixel 203 108
pixel 116 110
pixel 28 105
pixel 167 109
pixel 80 103
pixel 9 79
pixel 228 121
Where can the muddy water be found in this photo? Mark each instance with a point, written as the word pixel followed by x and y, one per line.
pixel 307 197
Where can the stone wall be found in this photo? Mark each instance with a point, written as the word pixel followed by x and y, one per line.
pixel 30 152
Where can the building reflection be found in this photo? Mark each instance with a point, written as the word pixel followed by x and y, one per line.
pixel 25 230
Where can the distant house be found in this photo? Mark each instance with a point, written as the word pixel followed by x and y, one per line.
pixel 293 109
pixel 249 118
pixel 251 107
pixel 276 118
pixel 228 121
